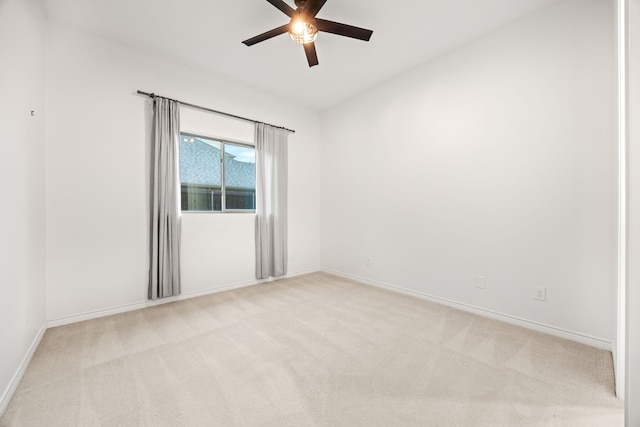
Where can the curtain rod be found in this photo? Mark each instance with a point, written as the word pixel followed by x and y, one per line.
pixel 186 104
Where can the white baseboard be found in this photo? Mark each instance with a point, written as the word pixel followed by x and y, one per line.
pixel 616 373
pixel 513 320
pixel 137 306
pixel 13 385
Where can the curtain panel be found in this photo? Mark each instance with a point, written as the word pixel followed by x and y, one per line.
pixel 271 201
pixel 164 269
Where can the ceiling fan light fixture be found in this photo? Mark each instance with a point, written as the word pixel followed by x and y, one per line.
pixel 302 32
pixel 304 26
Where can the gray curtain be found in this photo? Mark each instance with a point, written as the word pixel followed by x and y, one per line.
pixel 271 201
pixel 164 271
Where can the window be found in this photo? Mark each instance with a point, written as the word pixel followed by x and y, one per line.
pixel 216 175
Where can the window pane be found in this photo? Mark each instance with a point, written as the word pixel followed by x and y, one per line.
pixel 200 174
pixel 239 177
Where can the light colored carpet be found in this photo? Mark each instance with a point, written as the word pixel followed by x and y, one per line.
pixel 315 350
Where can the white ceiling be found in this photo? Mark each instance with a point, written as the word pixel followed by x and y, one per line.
pixel 208 33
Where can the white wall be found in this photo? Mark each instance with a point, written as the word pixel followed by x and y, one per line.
pixel 22 217
pixel 97 177
pixel 497 159
pixel 632 393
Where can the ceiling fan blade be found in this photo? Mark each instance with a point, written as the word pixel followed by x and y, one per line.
pixel 312 56
pixel 313 7
pixel 265 36
pixel 343 29
pixel 285 8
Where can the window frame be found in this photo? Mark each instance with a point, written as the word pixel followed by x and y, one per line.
pixel 223 188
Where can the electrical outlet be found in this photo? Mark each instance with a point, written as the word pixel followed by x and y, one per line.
pixel 541 294
pixel 481 282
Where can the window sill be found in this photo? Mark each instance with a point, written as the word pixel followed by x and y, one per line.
pixel 217 212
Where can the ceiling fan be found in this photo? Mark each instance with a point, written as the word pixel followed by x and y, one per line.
pixel 304 27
